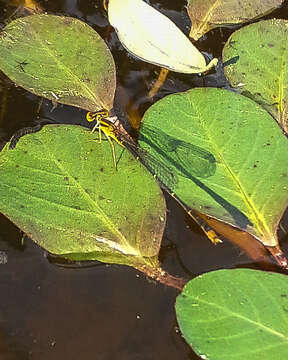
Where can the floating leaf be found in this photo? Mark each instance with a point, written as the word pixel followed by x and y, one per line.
pixel 154 38
pixel 228 153
pixel 261 68
pixel 208 14
pixel 59 58
pixel 241 312
pixel 61 188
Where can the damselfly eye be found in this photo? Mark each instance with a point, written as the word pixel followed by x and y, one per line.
pixel 91 116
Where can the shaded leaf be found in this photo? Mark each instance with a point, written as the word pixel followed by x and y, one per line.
pixel 59 58
pixel 208 14
pixel 241 312
pixel 261 51
pixel 62 189
pixel 228 153
pixel 154 38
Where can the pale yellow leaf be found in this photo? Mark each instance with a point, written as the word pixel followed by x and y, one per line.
pixel 154 38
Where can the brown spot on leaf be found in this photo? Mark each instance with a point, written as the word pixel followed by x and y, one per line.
pixel 67 21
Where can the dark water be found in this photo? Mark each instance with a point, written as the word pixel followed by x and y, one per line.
pixel 103 312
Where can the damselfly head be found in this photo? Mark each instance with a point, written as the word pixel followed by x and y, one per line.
pixel 97 115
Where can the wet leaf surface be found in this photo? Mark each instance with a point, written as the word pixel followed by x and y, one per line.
pixel 261 69
pixel 208 14
pixel 59 58
pixel 241 312
pixel 228 154
pixel 61 188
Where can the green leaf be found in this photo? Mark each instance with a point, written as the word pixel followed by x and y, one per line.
pixel 157 40
pixel 209 14
pixel 239 314
pixel 59 58
pixel 260 69
pixel 61 188
pixel 229 156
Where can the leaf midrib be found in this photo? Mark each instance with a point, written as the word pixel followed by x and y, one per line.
pixel 64 67
pixel 208 15
pixel 259 223
pixel 237 315
pixel 104 217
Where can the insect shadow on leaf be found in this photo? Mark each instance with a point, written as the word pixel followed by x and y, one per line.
pixel 192 162
pixel 188 159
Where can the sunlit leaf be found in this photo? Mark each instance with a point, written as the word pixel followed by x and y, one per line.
pixel 241 312
pixel 228 153
pixel 59 58
pixel 260 69
pixel 61 188
pixel 208 14
pixel 154 38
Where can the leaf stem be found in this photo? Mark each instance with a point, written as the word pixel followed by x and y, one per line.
pixel 279 256
pixel 163 277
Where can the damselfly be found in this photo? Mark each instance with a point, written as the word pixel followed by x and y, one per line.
pixel 107 125
pixel 163 173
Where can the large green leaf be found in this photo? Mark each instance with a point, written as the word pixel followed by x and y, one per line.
pixel 260 68
pixel 59 58
pixel 228 154
pixel 236 314
pixel 62 189
pixel 209 14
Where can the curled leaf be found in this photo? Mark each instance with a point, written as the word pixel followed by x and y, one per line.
pixel 152 37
